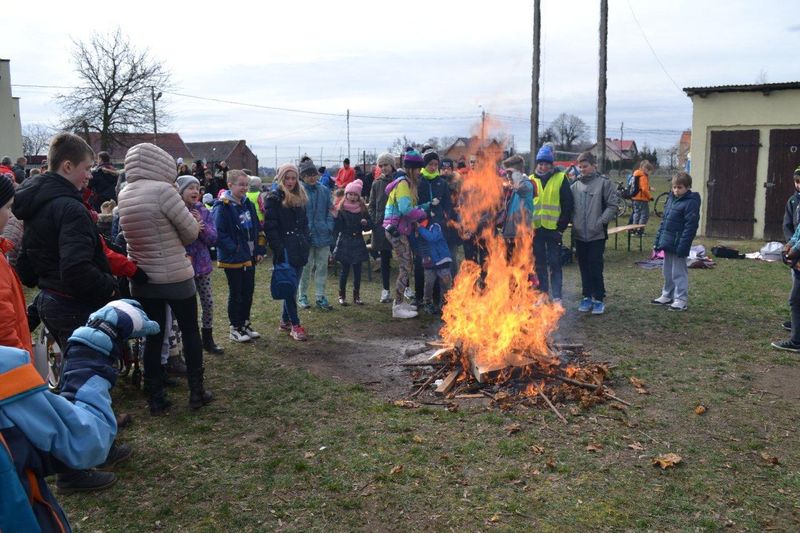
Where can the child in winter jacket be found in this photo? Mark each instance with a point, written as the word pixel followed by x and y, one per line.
pixel 674 237
pixel 436 260
pixel 198 251
pixel 240 247
pixel 640 195
pixel 320 226
pixel 352 218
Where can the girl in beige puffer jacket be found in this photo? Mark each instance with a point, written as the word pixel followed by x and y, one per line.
pixel 157 226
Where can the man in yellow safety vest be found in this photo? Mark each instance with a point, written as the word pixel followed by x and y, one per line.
pixel 552 212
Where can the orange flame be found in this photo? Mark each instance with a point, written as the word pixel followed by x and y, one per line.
pixel 498 319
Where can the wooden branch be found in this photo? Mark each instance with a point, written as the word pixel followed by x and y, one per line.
pixel 541 393
pixel 448 382
pixel 590 386
pixel 435 375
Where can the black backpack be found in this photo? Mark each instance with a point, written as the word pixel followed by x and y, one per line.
pixel 726 253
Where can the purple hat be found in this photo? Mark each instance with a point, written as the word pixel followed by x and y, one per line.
pixel 412 159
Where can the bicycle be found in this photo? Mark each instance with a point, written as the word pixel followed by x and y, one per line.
pixel 660 203
pixel 625 204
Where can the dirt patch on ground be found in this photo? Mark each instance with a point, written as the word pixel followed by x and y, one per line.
pixel 780 381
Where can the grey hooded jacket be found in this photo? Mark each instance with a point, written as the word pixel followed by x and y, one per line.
pixel 596 204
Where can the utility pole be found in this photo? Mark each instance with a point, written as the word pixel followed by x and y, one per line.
pixel 155 97
pixel 621 136
pixel 348 134
pixel 602 84
pixel 537 26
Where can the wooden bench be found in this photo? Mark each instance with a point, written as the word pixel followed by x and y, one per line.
pixel 629 228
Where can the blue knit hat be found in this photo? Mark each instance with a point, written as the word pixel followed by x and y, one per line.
pixel 412 159
pixel 545 155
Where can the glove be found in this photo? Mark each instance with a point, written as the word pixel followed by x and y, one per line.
pixel 140 276
pixel 113 323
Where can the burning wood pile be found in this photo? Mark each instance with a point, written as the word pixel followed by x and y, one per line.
pixel 498 327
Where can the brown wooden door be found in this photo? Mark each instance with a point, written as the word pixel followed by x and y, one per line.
pixel 732 184
pixel 784 157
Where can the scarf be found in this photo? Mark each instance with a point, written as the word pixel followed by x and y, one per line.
pixel 429 175
pixel 352 207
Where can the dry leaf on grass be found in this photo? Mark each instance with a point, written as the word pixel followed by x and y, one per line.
pixel 700 409
pixel 636 446
pixel 512 428
pixel 495 518
pixel 406 404
pixel 667 460
pixel 538 450
pixel 417 439
pixel 396 470
pixel 310 455
pixel 770 459
pixel 594 447
pixel 639 385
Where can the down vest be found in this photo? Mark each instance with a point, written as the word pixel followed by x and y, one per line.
pixel 154 218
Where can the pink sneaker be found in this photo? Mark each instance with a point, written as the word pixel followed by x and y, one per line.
pixel 284 326
pixel 298 333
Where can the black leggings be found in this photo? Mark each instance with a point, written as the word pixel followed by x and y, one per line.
pixel 386 268
pixel 356 277
pixel 185 312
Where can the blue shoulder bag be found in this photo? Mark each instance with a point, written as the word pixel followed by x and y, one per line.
pixel 284 280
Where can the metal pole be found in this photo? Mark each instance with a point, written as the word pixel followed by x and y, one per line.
pixel 348 134
pixel 602 84
pixel 155 127
pixel 537 26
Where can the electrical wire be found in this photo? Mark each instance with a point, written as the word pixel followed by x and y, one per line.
pixel 650 46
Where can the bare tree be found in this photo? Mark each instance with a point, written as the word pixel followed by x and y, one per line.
pixel 36 139
pixel 119 83
pixel 568 130
pixel 399 145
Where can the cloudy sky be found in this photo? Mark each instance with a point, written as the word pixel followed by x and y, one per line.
pixel 413 68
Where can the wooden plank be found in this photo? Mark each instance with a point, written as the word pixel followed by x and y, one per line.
pixel 620 229
pixel 448 382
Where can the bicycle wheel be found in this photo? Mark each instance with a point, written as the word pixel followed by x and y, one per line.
pixel 623 207
pixel 658 205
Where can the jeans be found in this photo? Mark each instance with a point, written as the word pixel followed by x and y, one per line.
pixel 676 278
pixel 641 212
pixel 590 261
pixel 241 284
pixel 62 315
pixel 441 274
pixel 386 268
pixel 318 262
pixel 345 272
pixel 547 251
pixel 289 313
pixel 185 311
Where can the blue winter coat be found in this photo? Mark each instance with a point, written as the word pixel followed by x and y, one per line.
pixel 237 227
pixel 434 245
pixel 45 432
pixel 320 217
pixel 430 188
pixel 679 224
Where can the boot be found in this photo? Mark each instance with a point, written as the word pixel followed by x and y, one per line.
pixel 198 396
pixel 208 342
pixel 357 298
pixel 175 366
pixel 156 400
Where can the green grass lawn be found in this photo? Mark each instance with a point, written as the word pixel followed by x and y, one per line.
pixel 283 448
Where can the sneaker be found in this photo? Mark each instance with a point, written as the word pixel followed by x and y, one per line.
pixel 556 300
pixel 598 307
pixel 409 293
pixel 399 311
pixel 322 303
pixel 117 454
pixel 430 309
pixel 788 346
pixel 84 481
pixel 342 301
pixel 284 326
pixel 239 334
pixel 298 333
pixel 787 325
pixel 303 302
pixel 385 297
pixel 248 328
pixel 661 300
pixel 585 306
pixel 677 305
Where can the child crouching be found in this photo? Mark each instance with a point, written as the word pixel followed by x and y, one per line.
pixel 436 261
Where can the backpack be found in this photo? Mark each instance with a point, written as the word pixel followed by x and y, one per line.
pixel 726 253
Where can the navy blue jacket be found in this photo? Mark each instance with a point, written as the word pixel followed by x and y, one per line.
pixel 679 224
pixel 237 227
pixel 427 190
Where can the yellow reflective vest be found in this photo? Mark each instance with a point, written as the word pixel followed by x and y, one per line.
pixel 253 196
pixel 547 204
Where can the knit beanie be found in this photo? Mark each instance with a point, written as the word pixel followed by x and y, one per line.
pixel 6 190
pixel 184 181
pixel 307 167
pixel 429 156
pixel 545 155
pixel 208 199
pixel 446 163
pixel 412 159
pixel 797 171
pixel 284 169
pixel 387 159
pixel 354 186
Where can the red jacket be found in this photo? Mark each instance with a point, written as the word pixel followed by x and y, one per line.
pixel 14 330
pixel 345 176
pixel 120 265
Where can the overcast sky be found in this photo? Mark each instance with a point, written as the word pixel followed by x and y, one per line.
pixel 428 66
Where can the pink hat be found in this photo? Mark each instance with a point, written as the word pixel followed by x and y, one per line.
pixel 354 186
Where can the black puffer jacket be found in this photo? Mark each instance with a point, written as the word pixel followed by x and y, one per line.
pixel 61 248
pixel 103 185
pixel 350 246
pixel 287 230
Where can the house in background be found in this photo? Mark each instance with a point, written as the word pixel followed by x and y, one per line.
pixel 170 142
pixel 684 145
pixel 622 151
pixel 745 147
pixel 10 126
pixel 236 153
pixel 465 148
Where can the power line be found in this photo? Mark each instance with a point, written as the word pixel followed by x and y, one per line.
pixel 646 40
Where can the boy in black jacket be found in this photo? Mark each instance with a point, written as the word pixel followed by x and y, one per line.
pixel 791 218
